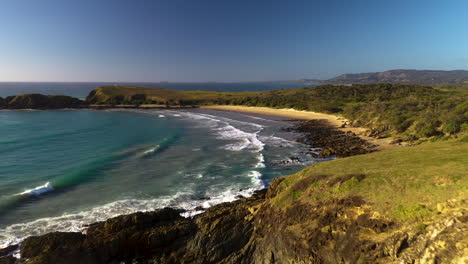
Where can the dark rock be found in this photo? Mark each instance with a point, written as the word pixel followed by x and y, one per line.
pixel 56 247
pixel 204 198
pixel 8 250
pixel 199 208
pixel 8 260
pixel 117 239
pixel 332 141
pixel 39 101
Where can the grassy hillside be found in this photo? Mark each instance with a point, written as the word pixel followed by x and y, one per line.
pixel 409 111
pixel 406 205
pixel 405 184
pixel 143 95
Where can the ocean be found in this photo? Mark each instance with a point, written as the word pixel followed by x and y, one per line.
pixel 61 170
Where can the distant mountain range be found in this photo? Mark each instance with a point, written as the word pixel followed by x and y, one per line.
pixel 397 76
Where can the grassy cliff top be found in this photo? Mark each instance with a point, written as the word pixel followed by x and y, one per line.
pixel 405 184
pixel 135 95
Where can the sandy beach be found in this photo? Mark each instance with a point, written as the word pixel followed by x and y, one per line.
pixel 337 121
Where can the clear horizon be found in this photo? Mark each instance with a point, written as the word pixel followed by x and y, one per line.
pixel 216 41
pixel 246 81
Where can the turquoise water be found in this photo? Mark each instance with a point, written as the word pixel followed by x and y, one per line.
pixel 60 170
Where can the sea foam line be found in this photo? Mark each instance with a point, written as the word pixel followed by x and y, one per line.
pixel 76 222
pixel 261 161
pixel 225 130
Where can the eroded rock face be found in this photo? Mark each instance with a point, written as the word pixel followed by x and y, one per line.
pixel 254 230
pixel 40 101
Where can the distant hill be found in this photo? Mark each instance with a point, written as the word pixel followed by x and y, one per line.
pixel 402 76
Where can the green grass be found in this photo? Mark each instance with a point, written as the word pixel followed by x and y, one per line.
pixel 107 94
pixel 404 183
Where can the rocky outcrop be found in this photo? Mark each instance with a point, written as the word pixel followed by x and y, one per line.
pixel 39 101
pixel 162 236
pixel 332 141
pixel 255 230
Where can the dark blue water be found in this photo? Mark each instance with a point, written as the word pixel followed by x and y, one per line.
pixel 60 170
pixel 81 90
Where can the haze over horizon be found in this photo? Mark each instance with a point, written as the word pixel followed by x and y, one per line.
pixel 199 41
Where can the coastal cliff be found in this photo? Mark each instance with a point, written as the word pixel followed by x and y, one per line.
pixel 395 206
pixel 40 101
pixel 401 205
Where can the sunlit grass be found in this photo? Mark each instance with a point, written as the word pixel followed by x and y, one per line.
pixel 405 183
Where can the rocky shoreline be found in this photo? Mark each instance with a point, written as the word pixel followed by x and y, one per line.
pixel 252 230
pixel 320 134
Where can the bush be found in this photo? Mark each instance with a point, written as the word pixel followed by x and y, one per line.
pixel 426 130
pixel 451 127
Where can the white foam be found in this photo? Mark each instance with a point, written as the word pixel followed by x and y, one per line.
pixel 76 222
pixel 151 150
pixel 277 141
pixel 246 140
pixel 256 179
pixel 261 161
pixel 47 187
pixel 224 129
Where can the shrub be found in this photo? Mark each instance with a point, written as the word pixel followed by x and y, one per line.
pixel 451 127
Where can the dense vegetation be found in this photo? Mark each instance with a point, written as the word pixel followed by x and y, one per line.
pixel 409 111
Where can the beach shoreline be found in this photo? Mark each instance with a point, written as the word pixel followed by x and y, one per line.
pixel 336 121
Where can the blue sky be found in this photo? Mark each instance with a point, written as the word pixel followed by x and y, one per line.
pixel 224 40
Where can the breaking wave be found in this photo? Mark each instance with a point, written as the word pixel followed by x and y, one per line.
pixel 191 203
pixel 38 190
